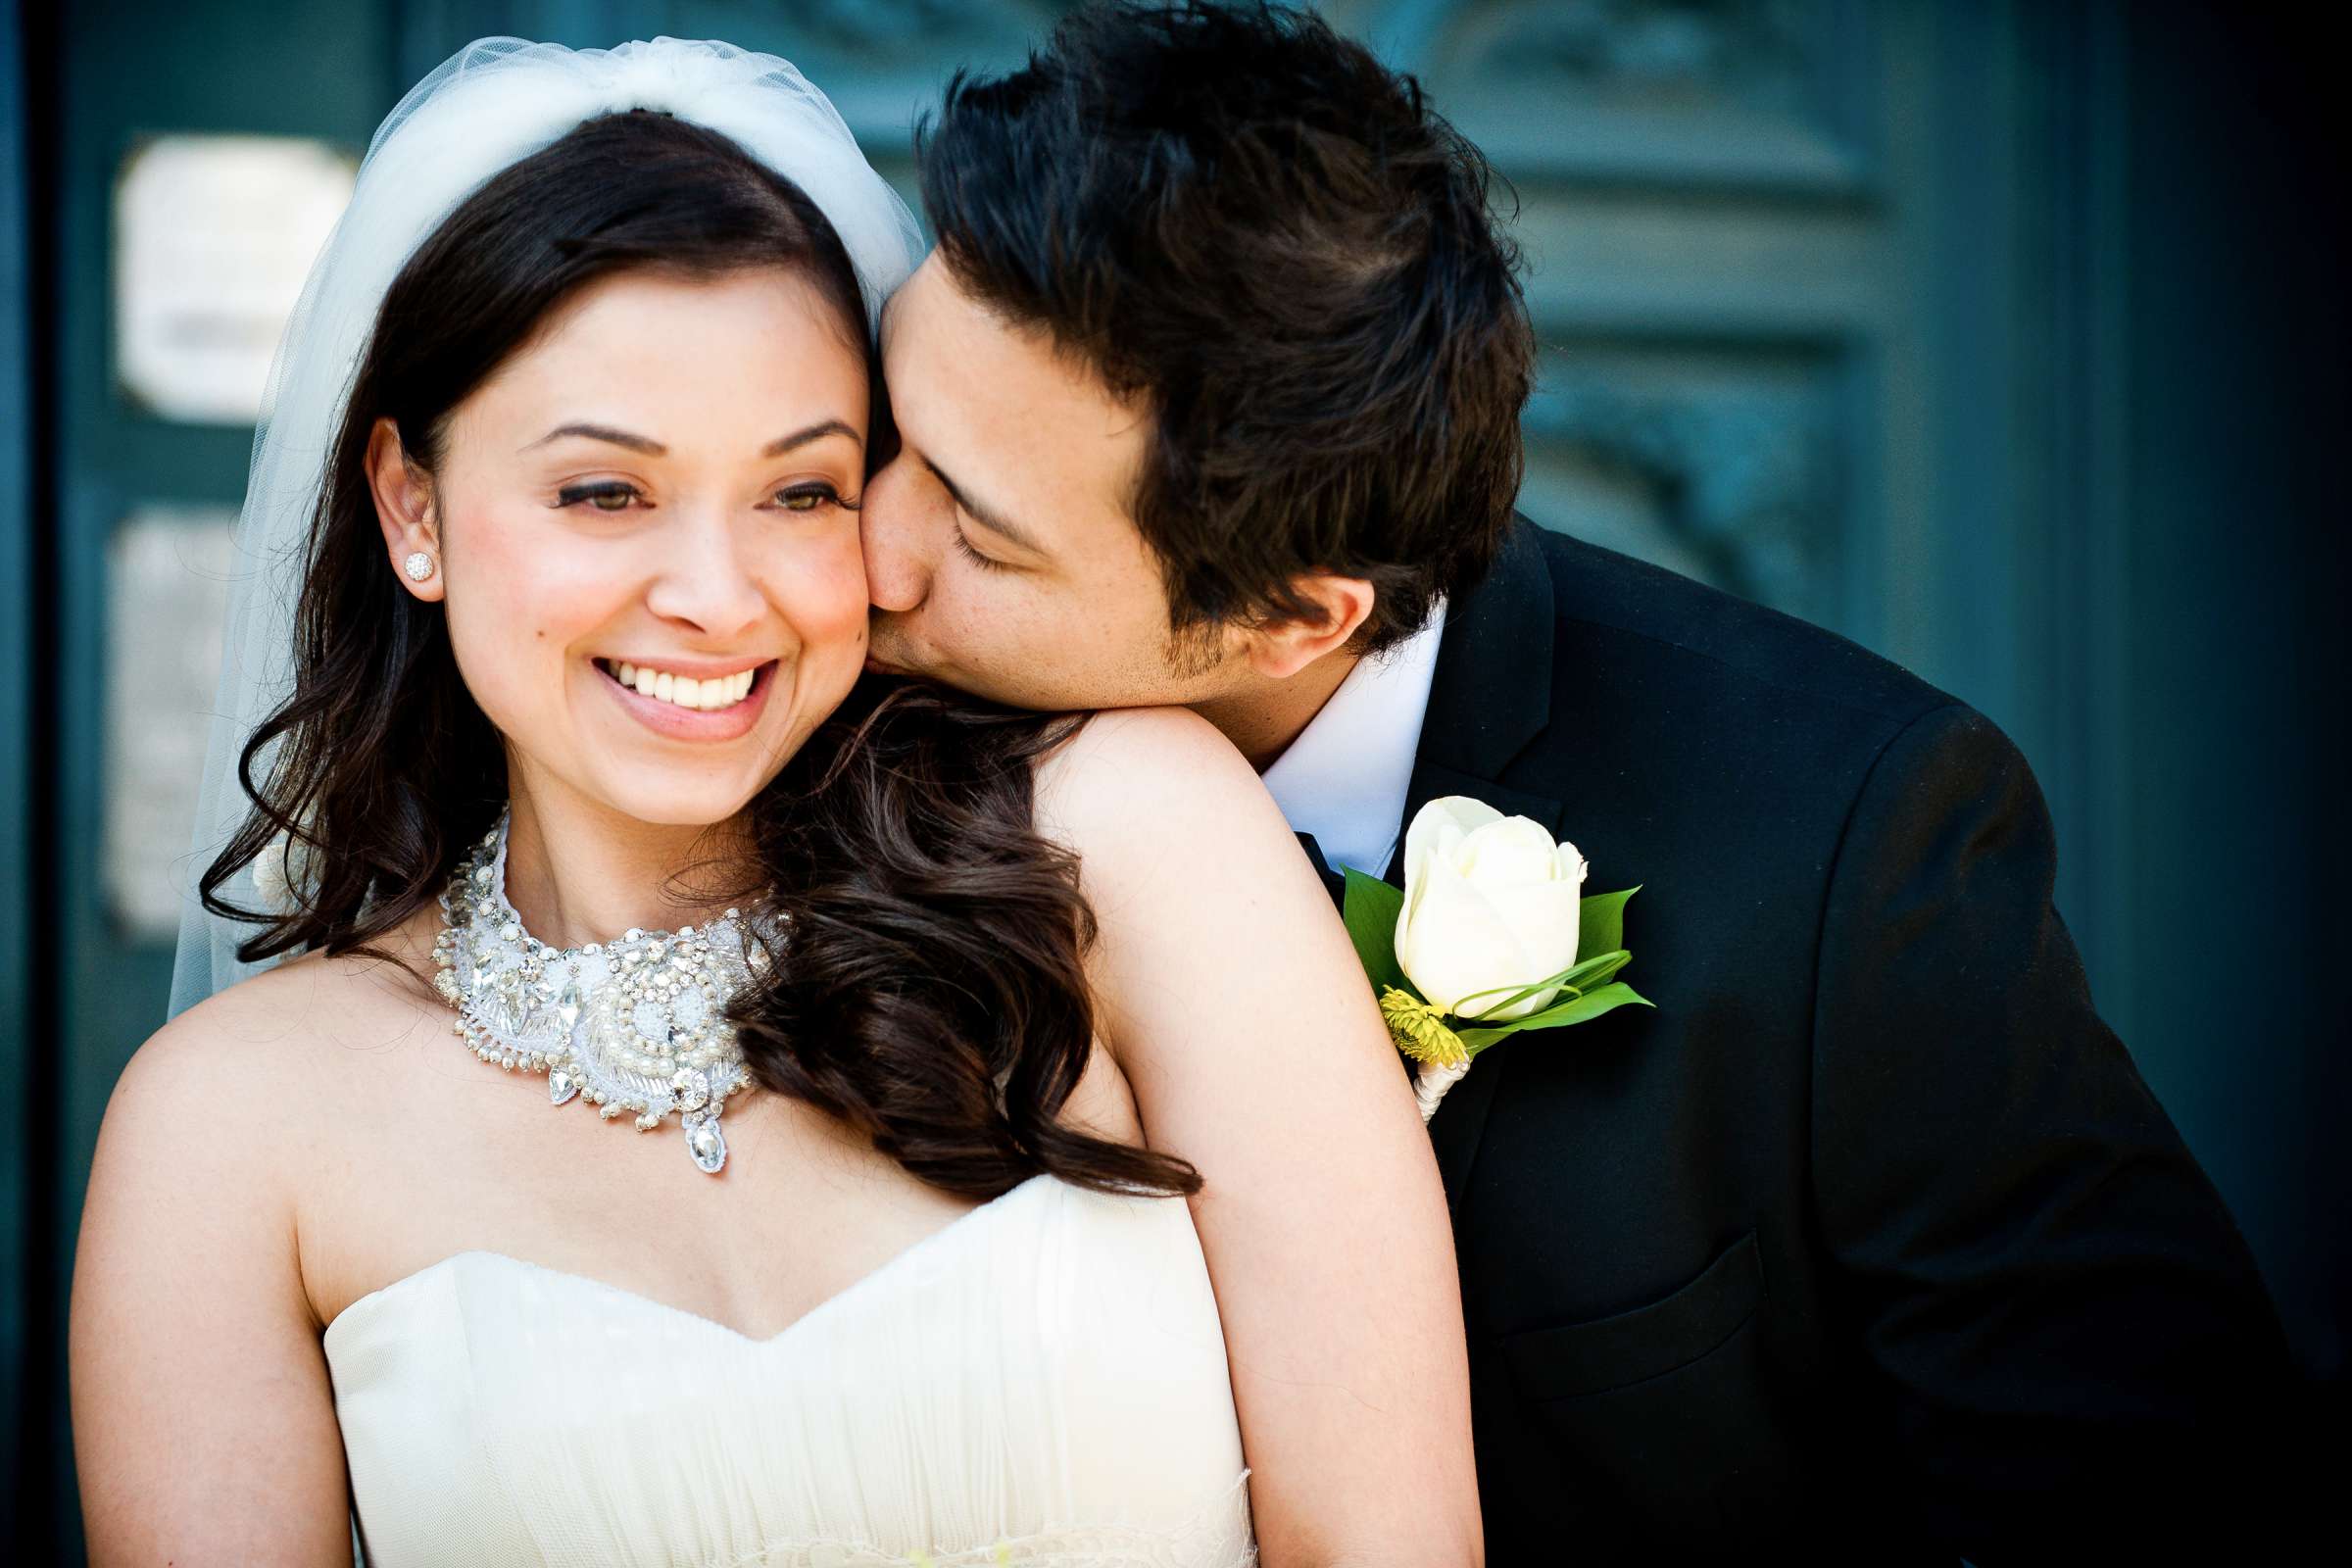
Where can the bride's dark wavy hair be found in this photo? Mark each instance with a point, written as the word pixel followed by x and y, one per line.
pixel 932 993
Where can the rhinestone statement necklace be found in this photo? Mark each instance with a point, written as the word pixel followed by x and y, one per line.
pixel 634 1025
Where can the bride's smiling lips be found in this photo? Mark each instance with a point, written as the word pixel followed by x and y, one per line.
pixel 664 716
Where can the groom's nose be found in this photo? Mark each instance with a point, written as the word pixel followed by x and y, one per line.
pixel 890 527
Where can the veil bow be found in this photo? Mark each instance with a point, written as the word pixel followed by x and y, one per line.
pixel 490 105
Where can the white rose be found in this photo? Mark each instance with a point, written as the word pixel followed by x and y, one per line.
pixel 1489 907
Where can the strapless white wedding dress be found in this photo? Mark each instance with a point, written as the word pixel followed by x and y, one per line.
pixel 1043 1381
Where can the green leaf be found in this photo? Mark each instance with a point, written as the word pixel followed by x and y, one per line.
pixel 1505 997
pixel 1575 979
pixel 1592 1004
pixel 1594 972
pixel 1600 921
pixel 1370 909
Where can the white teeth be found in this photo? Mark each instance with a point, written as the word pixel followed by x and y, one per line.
pixel 684 691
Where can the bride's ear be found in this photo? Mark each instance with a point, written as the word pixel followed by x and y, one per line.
pixel 403 508
pixel 1282 648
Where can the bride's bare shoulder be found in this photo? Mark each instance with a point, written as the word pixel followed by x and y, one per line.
pixel 290 1036
pixel 1129 767
pixel 219 1121
pixel 1153 799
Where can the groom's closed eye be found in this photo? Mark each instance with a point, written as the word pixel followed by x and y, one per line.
pixel 969 552
pixel 991 520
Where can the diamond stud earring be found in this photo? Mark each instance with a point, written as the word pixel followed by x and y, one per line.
pixel 418 567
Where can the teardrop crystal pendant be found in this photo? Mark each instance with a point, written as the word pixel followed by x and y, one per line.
pixel 706 1143
pixel 562 1084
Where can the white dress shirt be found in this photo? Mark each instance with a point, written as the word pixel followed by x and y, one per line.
pixel 1343 778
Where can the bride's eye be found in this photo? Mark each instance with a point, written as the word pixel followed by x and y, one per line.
pixel 808 497
pixel 609 495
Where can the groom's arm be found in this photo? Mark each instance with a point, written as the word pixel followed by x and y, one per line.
pixel 2069 1330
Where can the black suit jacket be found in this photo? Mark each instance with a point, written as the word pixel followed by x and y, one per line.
pixel 1869 1237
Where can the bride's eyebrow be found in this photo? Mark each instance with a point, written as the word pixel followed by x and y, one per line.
pixel 655 449
pixel 604 432
pixel 801 439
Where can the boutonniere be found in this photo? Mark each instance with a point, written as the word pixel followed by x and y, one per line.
pixel 1484 938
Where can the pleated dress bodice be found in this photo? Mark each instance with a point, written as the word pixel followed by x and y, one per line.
pixel 1043 1381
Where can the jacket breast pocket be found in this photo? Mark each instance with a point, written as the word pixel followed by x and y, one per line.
pixel 1648 1342
pixel 1664 1415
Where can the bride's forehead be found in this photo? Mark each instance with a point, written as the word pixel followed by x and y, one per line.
pixel 746 307
pixel 722 345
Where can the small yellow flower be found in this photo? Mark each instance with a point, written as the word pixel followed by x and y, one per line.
pixel 1420 1030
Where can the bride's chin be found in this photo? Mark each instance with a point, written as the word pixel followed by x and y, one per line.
pixel 660 802
pixel 658 792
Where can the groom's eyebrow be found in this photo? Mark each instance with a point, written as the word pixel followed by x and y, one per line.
pixel 993 521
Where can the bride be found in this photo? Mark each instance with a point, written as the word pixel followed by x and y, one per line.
pixel 930 1019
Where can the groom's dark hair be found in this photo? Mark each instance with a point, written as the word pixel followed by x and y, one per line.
pixel 1247 221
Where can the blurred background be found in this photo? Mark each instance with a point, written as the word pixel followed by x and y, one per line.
pixel 2007 339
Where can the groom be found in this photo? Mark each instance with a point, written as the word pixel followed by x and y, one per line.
pixel 1869 1237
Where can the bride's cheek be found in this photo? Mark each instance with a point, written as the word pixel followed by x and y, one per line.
pixel 837 604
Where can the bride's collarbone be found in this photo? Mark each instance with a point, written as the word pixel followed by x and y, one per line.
pixel 802 1211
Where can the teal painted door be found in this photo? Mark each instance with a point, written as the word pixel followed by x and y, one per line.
pixel 20 1176
pixel 128 73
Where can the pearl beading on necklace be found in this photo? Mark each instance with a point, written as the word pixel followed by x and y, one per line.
pixel 633 1025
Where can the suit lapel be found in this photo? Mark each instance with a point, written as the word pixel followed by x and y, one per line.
pixel 1491 692
pixel 1335 883
pixel 1489 697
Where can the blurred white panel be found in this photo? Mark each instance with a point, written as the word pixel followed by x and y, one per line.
pixel 213 236
pixel 167 595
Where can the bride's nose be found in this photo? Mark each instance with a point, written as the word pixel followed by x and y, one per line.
pixel 704 583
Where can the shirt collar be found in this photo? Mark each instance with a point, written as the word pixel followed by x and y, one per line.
pixel 1344 778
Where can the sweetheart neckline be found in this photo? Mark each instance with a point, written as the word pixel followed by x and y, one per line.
pixel 887 1266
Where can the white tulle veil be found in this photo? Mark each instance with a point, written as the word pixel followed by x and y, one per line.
pixel 492 103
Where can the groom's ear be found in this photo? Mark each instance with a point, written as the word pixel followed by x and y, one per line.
pixel 403 508
pixel 1282 648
